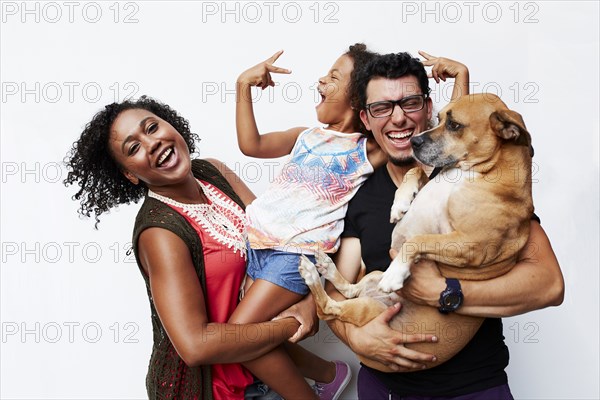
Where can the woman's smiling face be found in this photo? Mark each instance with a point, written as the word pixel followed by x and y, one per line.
pixel 149 149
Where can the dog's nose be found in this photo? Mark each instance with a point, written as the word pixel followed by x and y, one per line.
pixel 417 141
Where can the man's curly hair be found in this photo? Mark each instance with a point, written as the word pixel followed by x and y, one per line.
pixel 91 163
pixel 360 57
pixel 389 66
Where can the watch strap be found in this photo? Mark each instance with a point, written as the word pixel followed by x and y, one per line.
pixel 453 288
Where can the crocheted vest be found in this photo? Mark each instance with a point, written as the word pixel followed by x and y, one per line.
pixel 168 376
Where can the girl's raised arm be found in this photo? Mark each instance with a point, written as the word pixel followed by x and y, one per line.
pixel 250 141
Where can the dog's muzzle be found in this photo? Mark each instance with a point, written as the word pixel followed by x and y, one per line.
pixel 430 152
pixel 418 141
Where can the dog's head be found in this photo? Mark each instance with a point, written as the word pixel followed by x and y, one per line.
pixel 471 130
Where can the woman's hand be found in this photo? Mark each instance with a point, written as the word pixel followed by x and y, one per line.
pixel 305 312
pixel 260 74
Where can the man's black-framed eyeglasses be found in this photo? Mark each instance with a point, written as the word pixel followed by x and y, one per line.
pixel 408 104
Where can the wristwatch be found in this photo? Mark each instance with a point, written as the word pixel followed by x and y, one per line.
pixel 452 297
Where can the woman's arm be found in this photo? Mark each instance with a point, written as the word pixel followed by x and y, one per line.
pixel 250 141
pixel 535 282
pixel 179 301
pixel 305 312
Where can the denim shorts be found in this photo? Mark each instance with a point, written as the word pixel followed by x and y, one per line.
pixel 278 267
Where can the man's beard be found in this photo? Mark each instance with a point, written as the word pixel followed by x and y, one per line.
pixel 403 162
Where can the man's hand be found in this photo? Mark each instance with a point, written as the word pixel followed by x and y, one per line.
pixel 378 342
pixel 305 312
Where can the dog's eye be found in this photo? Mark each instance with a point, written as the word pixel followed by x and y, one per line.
pixel 453 126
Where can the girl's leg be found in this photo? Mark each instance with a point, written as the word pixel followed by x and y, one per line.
pixel 331 378
pixel 309 364
pixel 263 301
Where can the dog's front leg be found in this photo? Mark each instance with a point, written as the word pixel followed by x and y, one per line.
pixel 454 248
pixel 461 250
pixel 413 181
pixel 399 270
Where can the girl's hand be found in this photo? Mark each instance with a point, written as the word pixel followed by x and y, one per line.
pixel 260 74
pixel 442 68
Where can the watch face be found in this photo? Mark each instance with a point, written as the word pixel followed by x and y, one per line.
pixel 452 300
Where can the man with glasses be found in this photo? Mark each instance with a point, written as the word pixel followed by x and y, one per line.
pixel 408 104
pixel 393 97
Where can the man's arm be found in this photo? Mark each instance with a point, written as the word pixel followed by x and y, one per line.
pixel 535 282
pixel 374 340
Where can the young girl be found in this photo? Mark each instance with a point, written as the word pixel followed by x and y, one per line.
pixel 303 210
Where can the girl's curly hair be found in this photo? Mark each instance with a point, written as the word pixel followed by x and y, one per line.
pixel 360 57
pixel 91 164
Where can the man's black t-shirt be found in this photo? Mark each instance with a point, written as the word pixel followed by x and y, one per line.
pixel 480 364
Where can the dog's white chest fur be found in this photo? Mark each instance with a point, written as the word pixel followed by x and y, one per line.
pixel 428 212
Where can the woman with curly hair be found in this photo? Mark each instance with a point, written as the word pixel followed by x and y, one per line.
pixel 189 243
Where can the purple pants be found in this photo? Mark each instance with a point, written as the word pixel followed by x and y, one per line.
pixel 370 388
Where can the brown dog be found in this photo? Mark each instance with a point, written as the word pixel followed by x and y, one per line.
pixel 472 219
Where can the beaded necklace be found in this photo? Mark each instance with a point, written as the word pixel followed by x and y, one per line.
pixel 221 217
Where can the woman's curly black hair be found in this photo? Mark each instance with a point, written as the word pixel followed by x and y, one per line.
pixel 360 57
pixel 91 164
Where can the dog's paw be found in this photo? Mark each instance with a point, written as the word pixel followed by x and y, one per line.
pixel 387 285
pixel 393 278
pixel 308 271
pixel 399 209
pixel 325 265
pixel 402 202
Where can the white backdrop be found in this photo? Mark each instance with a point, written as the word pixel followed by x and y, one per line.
pixel 75 320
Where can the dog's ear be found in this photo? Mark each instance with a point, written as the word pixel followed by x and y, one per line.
pixel 509 125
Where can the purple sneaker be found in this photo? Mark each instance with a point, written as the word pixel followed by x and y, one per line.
pixel 333 390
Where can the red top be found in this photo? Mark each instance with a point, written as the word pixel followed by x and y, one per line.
pixel 225 268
